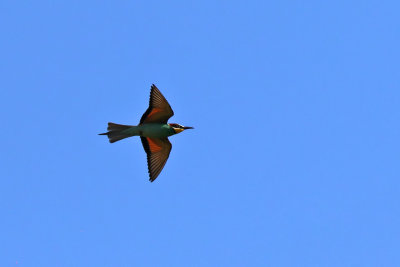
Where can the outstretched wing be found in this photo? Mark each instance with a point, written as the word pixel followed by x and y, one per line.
pixel 157 150
pixel 159 110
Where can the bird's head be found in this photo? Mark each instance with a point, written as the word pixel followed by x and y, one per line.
pixel 179 128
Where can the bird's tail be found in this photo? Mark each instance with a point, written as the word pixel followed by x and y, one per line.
pixel 115 132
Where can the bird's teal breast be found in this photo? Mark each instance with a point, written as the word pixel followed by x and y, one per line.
pixel 154 130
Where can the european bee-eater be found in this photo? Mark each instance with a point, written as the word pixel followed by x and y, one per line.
pixel 153 130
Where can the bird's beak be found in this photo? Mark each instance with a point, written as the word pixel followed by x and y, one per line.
pixel 187 127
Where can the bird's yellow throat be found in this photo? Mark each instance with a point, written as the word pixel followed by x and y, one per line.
pixel 178 130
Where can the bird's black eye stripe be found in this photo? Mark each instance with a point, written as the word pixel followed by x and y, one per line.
pixel 175 125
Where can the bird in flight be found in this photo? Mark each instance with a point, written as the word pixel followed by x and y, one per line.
pixel 153 130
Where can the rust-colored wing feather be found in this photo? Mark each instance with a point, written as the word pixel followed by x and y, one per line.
pixel 159 110
pixel 157 150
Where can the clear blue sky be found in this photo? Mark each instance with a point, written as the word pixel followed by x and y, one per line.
pixel 294 160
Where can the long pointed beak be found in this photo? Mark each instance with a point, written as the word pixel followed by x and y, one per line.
pixel 187 127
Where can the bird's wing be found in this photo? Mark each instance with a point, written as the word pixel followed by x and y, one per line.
pixel 159 110
pixel 157 150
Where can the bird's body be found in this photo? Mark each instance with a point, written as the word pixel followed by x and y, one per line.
pixel 153 131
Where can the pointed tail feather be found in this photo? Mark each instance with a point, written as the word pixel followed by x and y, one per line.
pixel 115 132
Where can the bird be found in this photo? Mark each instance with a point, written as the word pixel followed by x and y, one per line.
pixel 153 130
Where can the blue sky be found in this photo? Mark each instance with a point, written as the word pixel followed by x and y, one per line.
pixel 294 160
